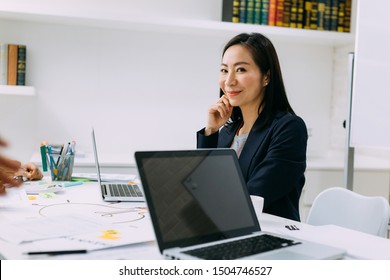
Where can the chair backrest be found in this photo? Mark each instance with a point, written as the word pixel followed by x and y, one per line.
pixel 345 208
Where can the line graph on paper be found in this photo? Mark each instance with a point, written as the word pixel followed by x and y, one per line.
pixel 108 214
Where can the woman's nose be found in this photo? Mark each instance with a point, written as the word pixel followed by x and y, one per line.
pixel 230 79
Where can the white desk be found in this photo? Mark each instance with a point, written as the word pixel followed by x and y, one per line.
pixel 358 245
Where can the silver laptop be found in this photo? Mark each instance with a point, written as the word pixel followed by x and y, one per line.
pixel 201 209
pixel 115 191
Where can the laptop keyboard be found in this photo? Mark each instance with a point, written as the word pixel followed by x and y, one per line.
pixel 128 190
pixel 242 248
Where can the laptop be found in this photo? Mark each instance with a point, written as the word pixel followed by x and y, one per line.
pixel 199 205
pixel 116 191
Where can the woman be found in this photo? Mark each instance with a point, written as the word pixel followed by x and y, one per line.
pixel 253 116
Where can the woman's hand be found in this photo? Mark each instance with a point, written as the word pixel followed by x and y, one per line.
pixel 8 167
pixel 30 171
pixel 218 115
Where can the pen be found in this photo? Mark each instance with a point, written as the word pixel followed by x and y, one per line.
pixel 71 184
pixel 64 252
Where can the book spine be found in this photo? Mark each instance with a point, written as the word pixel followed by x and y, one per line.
pixel 314 14
pixel 347 17
pixel 293 13
pixel 334 11
pixel 21 70
pixel 286 13
pixel 279 12
pixel 12 64
pixel 250 9
pixel 227 10
pixel 3 64
pixel 242 11
pixel 340 16
pixel 272 13
pixel 301 13
pixel 264 11
pixel 307 12
pixel 321 14
pixel 236 11
pixel 327 14
pixel 257 12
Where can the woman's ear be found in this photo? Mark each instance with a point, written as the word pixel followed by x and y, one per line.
pixel 266 79
pixel 267 76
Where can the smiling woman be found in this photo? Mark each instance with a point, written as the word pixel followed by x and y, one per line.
pixel 253 116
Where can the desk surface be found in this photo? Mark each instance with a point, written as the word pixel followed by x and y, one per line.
pixel 87 197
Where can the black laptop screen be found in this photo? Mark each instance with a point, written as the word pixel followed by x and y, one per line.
pixel 195 196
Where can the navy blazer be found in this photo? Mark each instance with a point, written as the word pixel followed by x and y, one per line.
pixel 273 160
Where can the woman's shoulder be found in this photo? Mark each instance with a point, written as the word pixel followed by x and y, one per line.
pixel 282 117
pixel 289 120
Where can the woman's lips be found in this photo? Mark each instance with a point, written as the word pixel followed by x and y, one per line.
pixel 233 93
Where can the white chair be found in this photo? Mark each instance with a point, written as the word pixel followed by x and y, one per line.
pixel 258 204
pixel 345 208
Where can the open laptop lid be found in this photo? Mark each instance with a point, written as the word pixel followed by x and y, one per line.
pixel 195 196
pixel 96 157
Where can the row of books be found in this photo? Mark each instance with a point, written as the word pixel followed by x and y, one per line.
pixel 12 64
pixel 331 15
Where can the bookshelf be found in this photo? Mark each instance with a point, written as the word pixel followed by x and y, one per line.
pixel 215 28
pixel 17 90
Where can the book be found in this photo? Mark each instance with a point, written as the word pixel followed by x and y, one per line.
pixel 294 13
pixel 334 11
pixel 3 64
pixel 228 10
pixel 264 12
pixel 279 12
pixel 257 12
pixel 242 11
pixel 21 69
pixel 272 12
pixel 300 13
pixel 340 16
pixel 314 14
pixel 327 13
pixel 12 64
pixel 347 15
pixel 250 8
pixel 307 14
pixel 321 14
pixel 286 13
pixel 236 11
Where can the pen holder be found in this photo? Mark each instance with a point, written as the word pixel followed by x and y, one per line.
pixel 61 167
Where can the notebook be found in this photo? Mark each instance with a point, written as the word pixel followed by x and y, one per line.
pixel 198 202
pixel 115 191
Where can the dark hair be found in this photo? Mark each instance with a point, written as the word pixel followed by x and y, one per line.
pixel 265 57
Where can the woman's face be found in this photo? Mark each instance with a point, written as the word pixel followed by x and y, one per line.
pixel 240 78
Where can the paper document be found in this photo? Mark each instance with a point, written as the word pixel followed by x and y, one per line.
pixel 46 228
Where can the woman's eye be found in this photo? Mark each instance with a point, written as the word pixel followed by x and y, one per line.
pixel 223 70
pixel 240 70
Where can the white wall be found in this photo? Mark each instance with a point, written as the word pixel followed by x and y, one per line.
pixel 140 90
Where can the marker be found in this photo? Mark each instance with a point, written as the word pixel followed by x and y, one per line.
pixel 64 252
pixel 43 157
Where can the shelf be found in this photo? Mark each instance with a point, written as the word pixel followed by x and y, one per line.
pixel 179 26
pixel 17 90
